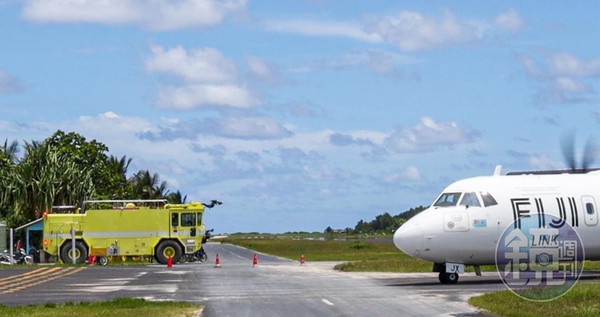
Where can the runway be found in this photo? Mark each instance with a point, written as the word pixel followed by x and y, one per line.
pixel 274 287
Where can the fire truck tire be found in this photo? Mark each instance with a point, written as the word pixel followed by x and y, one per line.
pixel 80 253
pixel 166 249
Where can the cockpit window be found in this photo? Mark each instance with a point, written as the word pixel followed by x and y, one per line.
pixel 488 199
pixel 447 200
pixel 470 200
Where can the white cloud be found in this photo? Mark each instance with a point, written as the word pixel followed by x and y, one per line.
pixel 227 128
pixel 543 162
pixel 409 30
pixel 8 83
pixel 397 177
pixel 323 28
pixel 259 67
pixel 562 77
pixel 379 62
pixel 429 135
pixel 570 85
pixel 251 128
pixel 262 70
pixel 509 21
pixel 412 31
pixel 565 64
pixel 530 65
pixel 412 173
pixel 197 65
pixel 152 14
pixel 192 96
pixel 207 79
pixel 109 121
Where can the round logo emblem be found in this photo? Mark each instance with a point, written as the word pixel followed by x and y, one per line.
pixel 539 258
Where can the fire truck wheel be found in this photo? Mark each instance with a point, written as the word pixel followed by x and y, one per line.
pixel 80 253
pixel 166 249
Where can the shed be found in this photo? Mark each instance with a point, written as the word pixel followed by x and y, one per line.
pixel 34 226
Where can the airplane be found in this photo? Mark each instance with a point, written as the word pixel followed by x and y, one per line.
pixel 464 224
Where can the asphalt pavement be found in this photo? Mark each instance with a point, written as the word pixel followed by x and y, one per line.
pixel 273 287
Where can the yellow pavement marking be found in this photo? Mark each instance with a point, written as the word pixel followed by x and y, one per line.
pixel 36 277
pixel 9 279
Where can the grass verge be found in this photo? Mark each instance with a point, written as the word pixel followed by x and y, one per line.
pixel 581 300
pixel 376 255
pixel 116 307
pixel 320 250
pixel 370 255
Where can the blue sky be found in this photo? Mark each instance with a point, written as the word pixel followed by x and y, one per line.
pixel 300 115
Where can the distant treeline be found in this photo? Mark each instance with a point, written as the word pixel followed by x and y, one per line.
pixel 384 223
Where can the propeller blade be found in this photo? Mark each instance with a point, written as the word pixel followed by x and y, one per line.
pixel 568 149
pixel 589 154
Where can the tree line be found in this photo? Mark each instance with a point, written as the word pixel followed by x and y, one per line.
pixel 67 169
pixel 382 224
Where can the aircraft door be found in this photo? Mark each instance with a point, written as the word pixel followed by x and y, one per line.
pixel 589 210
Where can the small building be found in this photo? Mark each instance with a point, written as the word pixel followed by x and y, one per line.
pixel 33 235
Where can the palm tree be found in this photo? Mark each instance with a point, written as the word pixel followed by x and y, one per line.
pixel 119 166
pixel 117 186
pixel 175 198
pixel 44 178
pixel 146 186
pixel 10 151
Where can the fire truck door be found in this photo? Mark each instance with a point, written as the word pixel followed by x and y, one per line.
pixel 188 224
pixel 174 232
pixel 184 227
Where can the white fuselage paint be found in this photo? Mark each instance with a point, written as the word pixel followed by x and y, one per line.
pixel 468 235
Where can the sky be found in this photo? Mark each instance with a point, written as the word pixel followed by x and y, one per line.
pixel 304 114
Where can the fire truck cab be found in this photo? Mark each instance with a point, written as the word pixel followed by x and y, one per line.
pixel 125 228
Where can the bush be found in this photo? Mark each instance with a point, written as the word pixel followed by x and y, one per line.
pixel 360 245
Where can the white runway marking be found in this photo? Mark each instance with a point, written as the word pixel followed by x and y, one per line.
pixel 326 301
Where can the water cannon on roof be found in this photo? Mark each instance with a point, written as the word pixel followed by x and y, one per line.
pixel 213 203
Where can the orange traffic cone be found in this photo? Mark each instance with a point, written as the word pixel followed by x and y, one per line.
pixel 254 260
pixel 169 262
pixel 218 261
pixel 302 259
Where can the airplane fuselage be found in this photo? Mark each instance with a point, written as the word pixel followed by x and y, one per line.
pixel 465 222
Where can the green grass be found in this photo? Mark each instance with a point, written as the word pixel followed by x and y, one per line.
pixel 581 300
pixel 316 250
pixel 116 307
pixel 357 255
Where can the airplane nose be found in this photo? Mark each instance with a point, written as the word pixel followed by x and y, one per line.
pixel 408 238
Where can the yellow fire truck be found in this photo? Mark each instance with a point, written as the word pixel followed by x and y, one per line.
pixel 125 228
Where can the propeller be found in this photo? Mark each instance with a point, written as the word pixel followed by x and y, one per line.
pixel 589 153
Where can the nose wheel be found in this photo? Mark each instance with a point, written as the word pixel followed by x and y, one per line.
pixel 448 278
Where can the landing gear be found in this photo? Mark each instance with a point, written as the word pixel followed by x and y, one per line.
pixel 448 272
pixel 448 278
